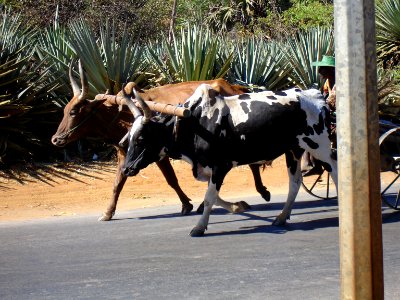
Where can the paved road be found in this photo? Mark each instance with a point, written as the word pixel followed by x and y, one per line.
pixel 147 254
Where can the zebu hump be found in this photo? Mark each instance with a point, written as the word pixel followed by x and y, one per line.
pixel 313 103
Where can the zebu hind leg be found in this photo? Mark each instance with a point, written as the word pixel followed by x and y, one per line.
pixel 242 206
pixel 295 180
pixel 255 169
pixel 235 207
pixel 329 162
pixel 319 146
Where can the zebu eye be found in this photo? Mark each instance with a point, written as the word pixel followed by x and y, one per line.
pixel 72 113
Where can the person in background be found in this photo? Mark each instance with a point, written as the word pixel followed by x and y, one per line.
pixel 326 70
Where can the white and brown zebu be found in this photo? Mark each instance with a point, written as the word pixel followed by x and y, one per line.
pixel 224 132
pixel 104 119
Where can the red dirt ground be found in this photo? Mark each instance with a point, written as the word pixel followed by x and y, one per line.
pixel 74 193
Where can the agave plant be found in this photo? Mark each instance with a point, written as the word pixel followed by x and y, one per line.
pixel 388 31
pixel 124 58
pixel 305 48
pixel 194 55
pixel 389 94
pixel 25 104
pixel 259 63
pixel 56 53
pixel 109 61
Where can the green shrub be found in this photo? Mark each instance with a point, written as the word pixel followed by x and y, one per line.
pixel 26 107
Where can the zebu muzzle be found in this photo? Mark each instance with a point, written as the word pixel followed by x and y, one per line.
pixel 58 141
pixel 140 135
pixel 132 168
pixel 130 171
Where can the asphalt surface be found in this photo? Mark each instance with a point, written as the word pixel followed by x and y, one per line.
pixel 148 254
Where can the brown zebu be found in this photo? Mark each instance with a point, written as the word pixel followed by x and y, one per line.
pixel 103 119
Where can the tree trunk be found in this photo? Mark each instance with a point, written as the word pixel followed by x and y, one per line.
pixel 172 23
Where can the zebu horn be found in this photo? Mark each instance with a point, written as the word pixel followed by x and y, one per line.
pixel 146 109
pixel 129 102
pixel 75 88
pixel 84 82
pixel 123 140
pixel 128 88
pixel 163 108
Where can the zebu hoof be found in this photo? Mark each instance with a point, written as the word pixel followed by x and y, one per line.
pixel 240 206
pixel 244 205
pixel 197 231
pixel 279 221
pixel 106 217
pixel 200 209
pixel 266 195
pixel 186 209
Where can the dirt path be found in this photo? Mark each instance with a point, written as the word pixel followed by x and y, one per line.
pixel 89 192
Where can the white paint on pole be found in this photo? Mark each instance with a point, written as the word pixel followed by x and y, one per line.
pixel 358 151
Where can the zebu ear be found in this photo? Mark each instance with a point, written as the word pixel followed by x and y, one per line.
pixel 145 107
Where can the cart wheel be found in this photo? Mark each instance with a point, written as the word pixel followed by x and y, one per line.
pixel 390 166
pixel 320 186
pixel 390 189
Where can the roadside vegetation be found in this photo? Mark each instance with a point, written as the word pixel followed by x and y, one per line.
pixel 262 44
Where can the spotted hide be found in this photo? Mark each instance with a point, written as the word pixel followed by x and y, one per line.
pixel 224 132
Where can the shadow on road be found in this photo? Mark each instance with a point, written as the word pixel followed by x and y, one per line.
pixel 390 216
pixel 269 228
pixel 254 208
pixel 314 209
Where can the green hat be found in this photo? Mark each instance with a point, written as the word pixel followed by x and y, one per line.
pixel 326 61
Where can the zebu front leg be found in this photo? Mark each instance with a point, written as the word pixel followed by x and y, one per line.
pixel 211 197
pixel 295 180
pixel 209 200
pixel 119 183
pixel 329 163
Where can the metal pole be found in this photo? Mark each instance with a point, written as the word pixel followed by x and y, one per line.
pixel 360 219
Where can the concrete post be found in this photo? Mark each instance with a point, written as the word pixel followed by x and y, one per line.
pixel 358 151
